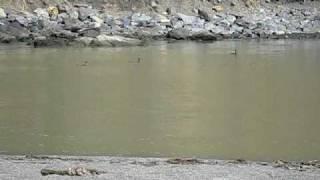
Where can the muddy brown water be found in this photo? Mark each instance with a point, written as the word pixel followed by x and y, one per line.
pixel 182 99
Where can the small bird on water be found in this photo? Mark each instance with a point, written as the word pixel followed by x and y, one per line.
pixel 137 61
pixel 85 63
pixel 234 52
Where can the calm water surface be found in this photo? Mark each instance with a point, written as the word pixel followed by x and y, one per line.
pixel 184 99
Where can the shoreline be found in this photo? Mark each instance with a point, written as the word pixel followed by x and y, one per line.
pixel 60 25
pixel 111 167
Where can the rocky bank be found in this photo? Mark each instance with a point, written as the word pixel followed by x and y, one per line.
pixel 66 167
pixel 71 24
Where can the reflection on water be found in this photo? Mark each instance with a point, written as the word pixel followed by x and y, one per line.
pixel 183 99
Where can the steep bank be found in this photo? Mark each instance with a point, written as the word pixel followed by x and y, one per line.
pixel 121 23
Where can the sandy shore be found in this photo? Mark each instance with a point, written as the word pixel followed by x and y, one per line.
pixel 29 167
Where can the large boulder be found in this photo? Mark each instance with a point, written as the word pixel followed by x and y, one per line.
pixel 6 38
pixel 43 41
pixel 179 34
pixel 204 36
pixel 117 40
pixel 15 29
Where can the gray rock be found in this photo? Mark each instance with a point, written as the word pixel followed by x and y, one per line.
pixel 64 34
pixel 204 36
pixel 109 20
pixel 187 20
pixel 22 20
pixel 85 13
pixel 198 23
pixel 231 19
pixel 218 30
pixel 157 32
pixel 179 34
pixel 204 15
pixel 247 33
pixel 62 17
pixel 140 18
pixel 41 13
pixel 97 21
pixel 208 26
pixel 224 23
pixel 79 5
pixel 89 32
pixel 74 25
pixel 63 8
pixel 50 42
pixel 73 14
pixel 118 40
pixel 246 23
pixel 6 38
pixel 176 24
pixel 161 19
pixel 15 29
pixel 3 14
pixel 236 28
pixel 85 41
pixel 125 23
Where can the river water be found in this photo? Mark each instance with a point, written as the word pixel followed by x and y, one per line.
pixel 182 99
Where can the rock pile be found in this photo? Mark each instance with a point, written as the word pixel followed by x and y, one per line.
pixel 82 25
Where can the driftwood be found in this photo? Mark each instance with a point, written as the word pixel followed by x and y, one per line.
pixel 77 171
